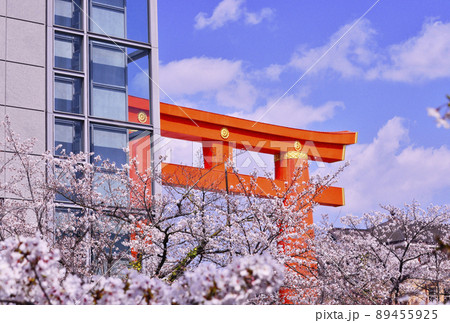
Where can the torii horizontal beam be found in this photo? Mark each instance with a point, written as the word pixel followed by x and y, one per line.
pixel 181 175
pixel 196 125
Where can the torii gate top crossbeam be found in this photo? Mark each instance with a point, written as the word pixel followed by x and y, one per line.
pixel 196 125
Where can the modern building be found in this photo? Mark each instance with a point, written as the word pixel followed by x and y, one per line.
pixel 68 67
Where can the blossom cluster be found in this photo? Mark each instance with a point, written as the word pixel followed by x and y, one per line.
pixel 30 274
pixel 385 257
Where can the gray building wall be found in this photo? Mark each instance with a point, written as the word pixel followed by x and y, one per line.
pixel 23 67
pixel 23 70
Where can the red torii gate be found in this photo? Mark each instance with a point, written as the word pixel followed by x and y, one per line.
pixel 219 134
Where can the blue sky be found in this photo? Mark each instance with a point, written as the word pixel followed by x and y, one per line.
pixel 238 57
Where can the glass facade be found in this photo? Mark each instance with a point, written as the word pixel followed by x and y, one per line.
pixel 65 194
pixel 100 104
pixel 110 143
pixel 112 69
pixel 102 56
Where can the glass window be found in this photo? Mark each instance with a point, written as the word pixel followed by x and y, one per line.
pixel 68 94
pixel 114 229
pixel 120 18
pixel 109 103
pixel 116 74
pixel 109 143
pixel 68 134
pixel 138 73
pixel 111 187
pixel 139 148
pixel 108 81
pixel 68 13
pixel 116 3
pixel 68 51
pixel 109 64
pixel 108 17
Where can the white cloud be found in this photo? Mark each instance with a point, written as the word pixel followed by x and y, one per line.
pixel 292 112
pixel 229 11
pixel 423 57
pixel 218 81
pixel 347 52
pixel 272 72
pixel 197 74
pixel 254 18
pixel 238 95
pixel 389 171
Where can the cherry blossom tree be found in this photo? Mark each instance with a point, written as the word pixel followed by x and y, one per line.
pixel 384 257
pixel 102 218
pixel 30 273
pixel 78 229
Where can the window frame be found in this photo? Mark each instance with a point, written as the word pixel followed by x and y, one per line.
pixel 75 81
pixel 62 36
pixel 93 84
pixel 110 7
pixel 110 128
pixel 69 122
pixel 77 8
